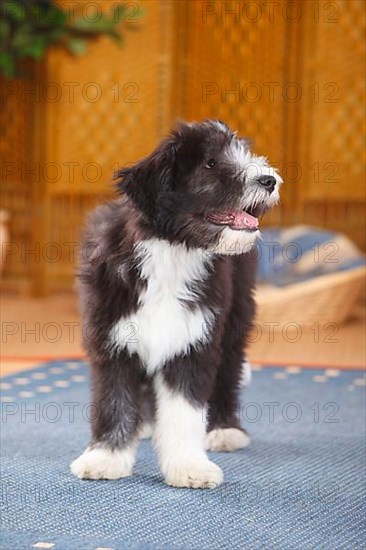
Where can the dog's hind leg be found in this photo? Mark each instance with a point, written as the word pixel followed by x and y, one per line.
pixel 224 431
pixel 116 420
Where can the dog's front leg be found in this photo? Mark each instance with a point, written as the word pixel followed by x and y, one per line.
pixel 225 432
pixel 179 436
pixel 116 420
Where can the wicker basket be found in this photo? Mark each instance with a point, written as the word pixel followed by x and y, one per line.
pixel 325 299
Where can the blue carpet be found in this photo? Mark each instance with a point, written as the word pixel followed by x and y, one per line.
pixel 300 485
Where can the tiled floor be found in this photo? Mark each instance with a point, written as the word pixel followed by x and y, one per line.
pixel 38 329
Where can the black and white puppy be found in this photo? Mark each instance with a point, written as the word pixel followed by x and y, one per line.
pixel 166 288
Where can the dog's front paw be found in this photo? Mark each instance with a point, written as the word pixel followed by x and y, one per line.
pixel 102 463
pixel 198 474
pixel 226 439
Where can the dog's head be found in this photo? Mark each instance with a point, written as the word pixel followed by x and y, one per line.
pixel 204 187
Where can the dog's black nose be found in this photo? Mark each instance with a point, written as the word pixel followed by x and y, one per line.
pixel 268 182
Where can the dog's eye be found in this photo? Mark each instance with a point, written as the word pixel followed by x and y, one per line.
pixel 210 163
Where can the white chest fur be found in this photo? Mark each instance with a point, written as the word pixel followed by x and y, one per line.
pixel 163 326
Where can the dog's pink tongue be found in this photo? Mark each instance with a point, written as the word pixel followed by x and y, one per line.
pixel 242 219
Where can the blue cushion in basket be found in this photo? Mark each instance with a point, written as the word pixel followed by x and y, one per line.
pixel 299 253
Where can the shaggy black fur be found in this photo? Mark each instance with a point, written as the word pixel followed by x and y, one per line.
pixel 167 196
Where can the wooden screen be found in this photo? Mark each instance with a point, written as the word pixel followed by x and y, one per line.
pixel 287 74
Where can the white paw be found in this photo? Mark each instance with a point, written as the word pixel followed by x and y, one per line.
pixel 101 463
pixel 198 474
pixel 226 439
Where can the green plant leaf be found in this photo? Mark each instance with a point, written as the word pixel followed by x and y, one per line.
pixel 4 31
pixel 35 47
pixel 118 13
pixel 93 27
pixel 77 46
pixel 29 27
pixel 14 10
pixel 7 66
pixel 54 16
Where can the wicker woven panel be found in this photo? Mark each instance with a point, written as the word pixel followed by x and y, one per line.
pixel 63 247
pixel 229 64
pixel 118 112
pixel 322 50
pixel 15 159
pixel 15 199
pixel 186 61
pixel 334 134
pixel 93 114
pixel 13 124
pixel 344 216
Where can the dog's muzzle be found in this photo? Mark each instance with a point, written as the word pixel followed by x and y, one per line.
pixel 268 182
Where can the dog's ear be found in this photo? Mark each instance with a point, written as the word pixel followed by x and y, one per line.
pixel 149 179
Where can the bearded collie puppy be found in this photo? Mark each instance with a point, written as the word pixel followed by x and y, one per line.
pixel 166 291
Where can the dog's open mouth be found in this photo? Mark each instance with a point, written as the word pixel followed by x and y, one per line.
pixel 235 219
